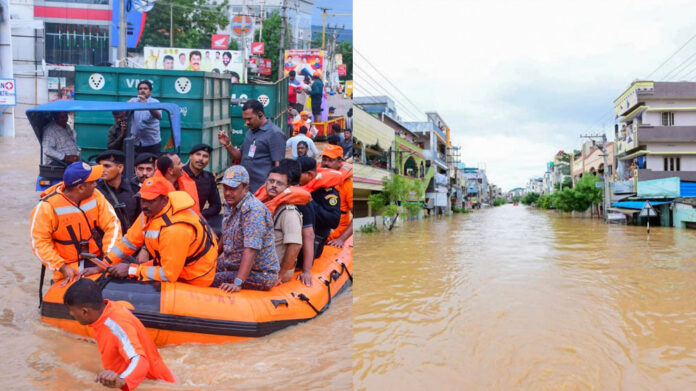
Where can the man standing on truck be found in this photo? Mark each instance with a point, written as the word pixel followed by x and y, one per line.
pixel 146 123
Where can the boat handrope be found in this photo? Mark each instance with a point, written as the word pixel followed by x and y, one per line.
pixel 333 276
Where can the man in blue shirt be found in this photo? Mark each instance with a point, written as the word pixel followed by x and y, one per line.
pixel 263 146
pixel 146 123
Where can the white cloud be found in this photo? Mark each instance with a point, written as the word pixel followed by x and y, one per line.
pixel 525 78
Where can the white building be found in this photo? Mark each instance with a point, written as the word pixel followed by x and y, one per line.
pixel 657 137
pixel 298 13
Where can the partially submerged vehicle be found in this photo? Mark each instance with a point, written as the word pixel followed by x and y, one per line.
pixel 40 116
pixel 176 312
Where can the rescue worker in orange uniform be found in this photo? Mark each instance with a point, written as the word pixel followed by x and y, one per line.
pixel 304 120
pixel 332 158
pixel 170 166
pixel 179 242
pixel 127 352
pixel 71 219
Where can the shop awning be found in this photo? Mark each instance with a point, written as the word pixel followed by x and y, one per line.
pixel 371 131
pixel 637 204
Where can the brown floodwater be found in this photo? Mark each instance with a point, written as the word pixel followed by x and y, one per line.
pixel 513 298
pixel 35 356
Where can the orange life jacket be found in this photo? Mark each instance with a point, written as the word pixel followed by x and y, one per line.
pixel 296 125
pixel 126 347
pixel 326 177
pixel 347 170
pixel 188 185
pixel 196 266
pixel 293 195
pixel 78 229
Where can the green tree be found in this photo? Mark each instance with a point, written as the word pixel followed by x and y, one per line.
pixel 271 40
pixel 530 198
pixel 346 49
pixel 393 200
pixel 195 21
pixel 587 188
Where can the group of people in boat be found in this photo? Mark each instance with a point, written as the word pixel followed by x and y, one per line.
pixel 278 215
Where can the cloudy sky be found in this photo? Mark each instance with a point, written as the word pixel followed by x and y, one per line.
pixel 337 7
pixel 518 81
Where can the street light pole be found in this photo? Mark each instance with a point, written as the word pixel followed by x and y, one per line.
pixel 122 26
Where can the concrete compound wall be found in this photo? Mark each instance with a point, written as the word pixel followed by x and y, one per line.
pixel 683 213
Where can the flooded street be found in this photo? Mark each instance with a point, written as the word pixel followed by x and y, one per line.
pixel 312 356
pixel 516 298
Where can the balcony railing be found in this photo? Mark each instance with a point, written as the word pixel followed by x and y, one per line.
pixel 666 133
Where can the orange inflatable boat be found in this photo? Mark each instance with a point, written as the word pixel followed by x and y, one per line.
pixel 176 313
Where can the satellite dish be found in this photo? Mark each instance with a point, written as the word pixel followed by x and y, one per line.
pixel 143 5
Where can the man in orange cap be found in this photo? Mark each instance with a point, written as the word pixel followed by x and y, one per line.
pixel 71 219
pixel 184 251
pixel 332 158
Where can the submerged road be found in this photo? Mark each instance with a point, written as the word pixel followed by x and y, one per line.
pixel 312 356
pixel 513 298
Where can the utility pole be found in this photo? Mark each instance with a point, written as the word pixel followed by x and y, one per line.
pixel 244 54
pixel 261 22
pixel 281 55
pixel 323 25
pixel 171 25
pixel 602 145
pixel 122 27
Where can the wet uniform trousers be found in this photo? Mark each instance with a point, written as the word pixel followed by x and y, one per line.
pixel 326 204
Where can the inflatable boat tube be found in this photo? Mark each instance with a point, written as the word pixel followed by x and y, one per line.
pixel 177 313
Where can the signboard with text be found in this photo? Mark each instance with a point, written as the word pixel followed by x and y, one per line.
pixel 8 92
pixel 342 70
pixel 304 62
pixel 265 66
pixel 207 60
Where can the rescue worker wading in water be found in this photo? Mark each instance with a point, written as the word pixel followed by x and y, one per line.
pixel 71 219
pixel 180 244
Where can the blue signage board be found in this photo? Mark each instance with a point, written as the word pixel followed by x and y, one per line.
pixel 135 24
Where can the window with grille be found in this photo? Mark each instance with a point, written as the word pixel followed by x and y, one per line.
pixel 672 164
pixel 667 118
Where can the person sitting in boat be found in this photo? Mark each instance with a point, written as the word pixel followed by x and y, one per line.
pixel 127 351
pixel 59 141
pixel 332 158
pixel 306 256
pixel 71 219
pixel 248 259
pixel 144 168
pixel 180 244
pixel 322 184
pixel 170 167
pixel 281 199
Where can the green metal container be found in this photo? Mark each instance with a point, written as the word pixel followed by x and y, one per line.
pixel 274 98
pixel 203 99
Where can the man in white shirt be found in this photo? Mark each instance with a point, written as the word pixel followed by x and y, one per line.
pixel 292 143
